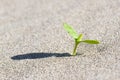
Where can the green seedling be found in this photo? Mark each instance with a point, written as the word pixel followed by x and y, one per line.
pixel 77 38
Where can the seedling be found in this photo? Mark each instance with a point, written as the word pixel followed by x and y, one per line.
pixel 77 38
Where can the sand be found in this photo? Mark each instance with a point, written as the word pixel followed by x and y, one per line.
pixel 34 45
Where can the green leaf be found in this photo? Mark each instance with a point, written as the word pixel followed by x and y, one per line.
pixel 79 37
pixel 91 41
pixel 70 30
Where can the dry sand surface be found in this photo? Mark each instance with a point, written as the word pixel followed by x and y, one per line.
pixel 34 45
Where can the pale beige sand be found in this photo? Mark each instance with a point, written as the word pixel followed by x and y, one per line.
pixel 36 26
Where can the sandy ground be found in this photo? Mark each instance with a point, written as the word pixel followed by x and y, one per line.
pixel 34 45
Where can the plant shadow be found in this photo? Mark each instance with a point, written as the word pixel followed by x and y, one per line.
pixel 39 55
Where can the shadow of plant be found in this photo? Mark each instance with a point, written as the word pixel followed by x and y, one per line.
pixel 39 55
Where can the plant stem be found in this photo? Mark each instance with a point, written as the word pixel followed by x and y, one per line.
pixel 75 48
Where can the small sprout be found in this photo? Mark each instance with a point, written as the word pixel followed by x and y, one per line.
pixel 77 38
